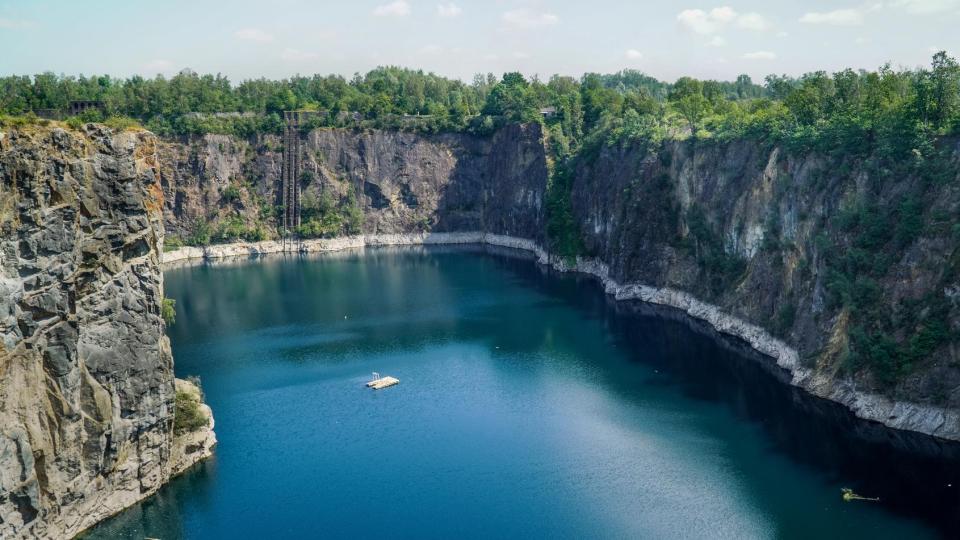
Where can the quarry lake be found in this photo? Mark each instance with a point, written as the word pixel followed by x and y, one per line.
pixel 529 406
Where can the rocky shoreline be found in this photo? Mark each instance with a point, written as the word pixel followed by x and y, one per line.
pixel 186 451
pixel 940 422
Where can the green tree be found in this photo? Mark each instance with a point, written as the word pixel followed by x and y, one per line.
pixel 168 310
pixel 944 78
pixel 686 97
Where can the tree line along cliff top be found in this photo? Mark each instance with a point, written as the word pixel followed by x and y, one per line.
pixel 901 108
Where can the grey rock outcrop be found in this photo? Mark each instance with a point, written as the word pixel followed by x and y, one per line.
pixel 87 387
pixel 402 182
pixel 776 216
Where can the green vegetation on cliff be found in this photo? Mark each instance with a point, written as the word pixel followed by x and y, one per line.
pixel 843 112
pixel 168 310
pixel 322 217
pixel 188 413
pixel 846 112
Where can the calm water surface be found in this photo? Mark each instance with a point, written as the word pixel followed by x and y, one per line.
pixel 527 408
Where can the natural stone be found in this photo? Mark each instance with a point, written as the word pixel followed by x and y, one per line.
pixel 86 392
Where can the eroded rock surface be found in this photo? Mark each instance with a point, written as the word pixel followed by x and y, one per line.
pixel 778 218
pixel 86 373
pixel 402 182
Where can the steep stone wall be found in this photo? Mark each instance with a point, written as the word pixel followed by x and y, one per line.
pixel 402 182
pixel 778 217
pixel 86 373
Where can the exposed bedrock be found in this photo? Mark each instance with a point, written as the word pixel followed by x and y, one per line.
pixel 402 182
pixel 86 373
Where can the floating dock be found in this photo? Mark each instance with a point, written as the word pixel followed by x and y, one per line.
pixel 379 383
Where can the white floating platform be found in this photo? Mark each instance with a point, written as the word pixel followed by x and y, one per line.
pixel 382 382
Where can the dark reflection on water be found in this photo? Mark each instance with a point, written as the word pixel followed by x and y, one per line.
pixel 912 474
pixel 530 405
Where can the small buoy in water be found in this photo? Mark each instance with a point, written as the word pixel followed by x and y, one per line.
pixel 849 495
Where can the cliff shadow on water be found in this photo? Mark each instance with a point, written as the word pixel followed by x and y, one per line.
pixel 913 474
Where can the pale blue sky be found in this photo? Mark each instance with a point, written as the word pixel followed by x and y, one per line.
pixel 278 38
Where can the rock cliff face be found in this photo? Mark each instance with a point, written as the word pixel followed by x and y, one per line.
pixel 86 373
pixel 766 236
pixel 401 182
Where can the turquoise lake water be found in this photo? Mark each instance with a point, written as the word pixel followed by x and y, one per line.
pixel 528 406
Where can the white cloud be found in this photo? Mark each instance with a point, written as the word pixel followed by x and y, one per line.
pixel 633 54
pixel 431 49
pixel 701 22
pixel 753 21
pixel 861 40
pixel 525 19
pixel 158 65
pixel 253 34
pixel 398 8
pixel 296 55
pixel 926 7
pixel 782 34
pixel 838 17
pixel 717 41
pixel 521 55
pixel 448 10
pixel 723 14
pixel 760 55
pixel 715 20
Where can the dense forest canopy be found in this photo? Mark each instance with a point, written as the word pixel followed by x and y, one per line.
pixel 814 108
pixel 850 112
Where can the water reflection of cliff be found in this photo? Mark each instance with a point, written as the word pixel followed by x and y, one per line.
pixel 162 515
pixel 913 474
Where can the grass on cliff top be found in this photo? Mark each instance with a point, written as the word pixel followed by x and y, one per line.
pixel 117 123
